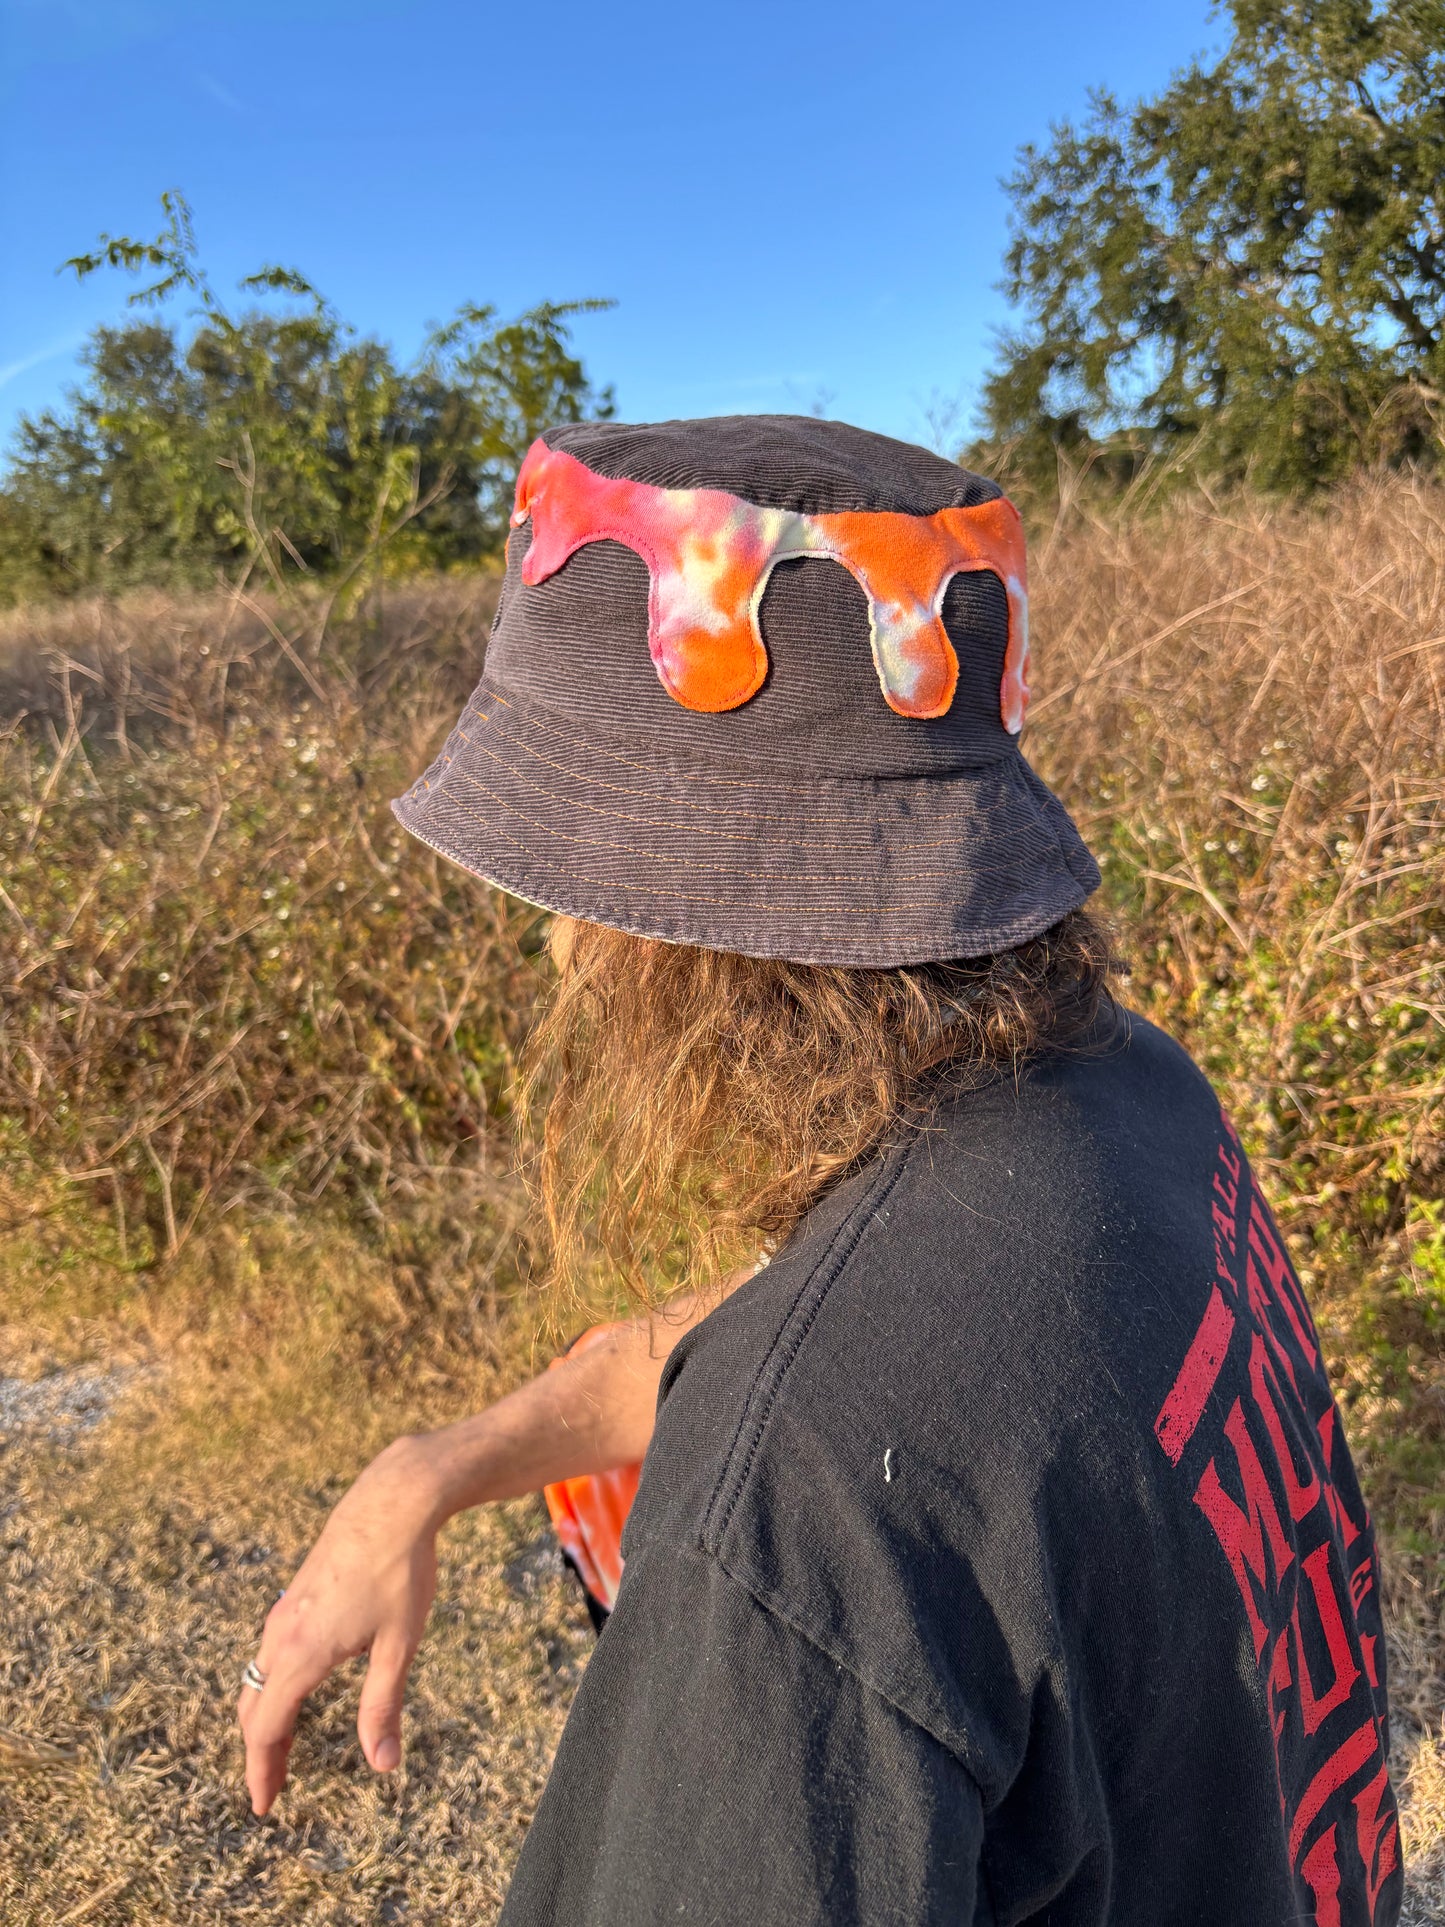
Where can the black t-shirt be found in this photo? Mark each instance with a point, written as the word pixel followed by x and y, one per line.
pixel 997 1558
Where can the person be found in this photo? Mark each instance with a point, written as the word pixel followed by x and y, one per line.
pixel 997 1554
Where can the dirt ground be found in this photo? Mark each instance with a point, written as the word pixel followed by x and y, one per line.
pixel 129 1606
pixel 135 1575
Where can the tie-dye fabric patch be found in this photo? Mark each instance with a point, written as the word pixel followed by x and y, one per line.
pixel 709 555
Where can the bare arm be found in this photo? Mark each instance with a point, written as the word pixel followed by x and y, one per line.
pixel 367 1584
pixel 591 1412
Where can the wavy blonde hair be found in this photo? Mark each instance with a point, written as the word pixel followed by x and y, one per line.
pixel 686 1105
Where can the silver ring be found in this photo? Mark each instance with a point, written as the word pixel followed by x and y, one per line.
pixel 254 1677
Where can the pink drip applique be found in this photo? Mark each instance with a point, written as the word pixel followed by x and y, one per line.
pixel 709 555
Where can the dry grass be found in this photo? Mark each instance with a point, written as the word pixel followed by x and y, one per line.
pixel 262 1157
pixel 222 983
pixel 128 1609
pixel 1245 708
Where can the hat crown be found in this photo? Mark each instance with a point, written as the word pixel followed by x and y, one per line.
pixel 793 462
pixel 706 713
pixel 742 586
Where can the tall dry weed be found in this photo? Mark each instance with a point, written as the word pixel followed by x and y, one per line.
pixel 222 980
pixel 254 1055
pixel 1244 705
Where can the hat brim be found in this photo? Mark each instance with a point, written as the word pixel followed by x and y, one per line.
pixel 764 861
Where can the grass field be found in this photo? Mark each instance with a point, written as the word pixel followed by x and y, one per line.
pixel 258 1212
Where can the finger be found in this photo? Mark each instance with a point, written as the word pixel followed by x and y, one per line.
pixel 269 1730
pixel 268 1722
pixel 265 1660
pixel 265 1767
pixel 266 1773
pixel 279 1625
pixel 383 1691
pixel 265 1758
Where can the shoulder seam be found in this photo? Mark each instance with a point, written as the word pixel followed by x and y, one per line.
pixel 844 1243
pixel 774 1610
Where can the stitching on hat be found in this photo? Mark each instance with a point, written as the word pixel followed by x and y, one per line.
pixel 990 935
pixel 550 727
pixel 693 829
pixel 1009 844
pixel 821 910
pixel 691 861
pixel 1003 838
pixel 987 937
pixel 672 801
pixel 938 778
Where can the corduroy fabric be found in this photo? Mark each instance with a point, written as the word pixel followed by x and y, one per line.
pixel 860 870
pixel 778 461
pixel 812 823
pixel 820 708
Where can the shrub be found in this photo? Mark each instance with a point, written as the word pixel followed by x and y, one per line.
pixel 227 985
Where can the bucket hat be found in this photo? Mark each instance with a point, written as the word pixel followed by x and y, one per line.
pixel 757 683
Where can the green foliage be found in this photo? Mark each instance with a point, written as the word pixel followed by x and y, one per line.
pixel 1249 269
pixel 241 984
pixel 232 997
pixel 278 442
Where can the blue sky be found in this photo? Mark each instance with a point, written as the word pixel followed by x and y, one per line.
pixel 789 204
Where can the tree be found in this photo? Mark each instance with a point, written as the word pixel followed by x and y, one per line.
pixel 1250 267
pixel 277 441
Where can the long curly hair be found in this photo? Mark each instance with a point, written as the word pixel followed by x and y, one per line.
pixel 687 1106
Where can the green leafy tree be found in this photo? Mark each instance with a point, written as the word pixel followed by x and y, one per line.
pixel 1250 267
pixel 507 381
pixel 278 442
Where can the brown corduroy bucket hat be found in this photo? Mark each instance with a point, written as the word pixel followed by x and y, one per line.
pixel 756 683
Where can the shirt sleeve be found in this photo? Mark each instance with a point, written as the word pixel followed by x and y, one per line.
pixel 717 1767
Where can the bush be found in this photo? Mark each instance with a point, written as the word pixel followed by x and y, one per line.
pixel 228 985
pixel 225 982
pixel 277 445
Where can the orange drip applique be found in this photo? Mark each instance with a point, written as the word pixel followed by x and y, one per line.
pixel 709 555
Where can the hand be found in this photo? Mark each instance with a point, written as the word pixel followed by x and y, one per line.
pixel 366 1586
